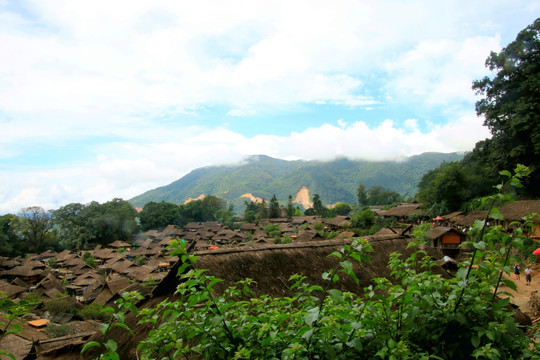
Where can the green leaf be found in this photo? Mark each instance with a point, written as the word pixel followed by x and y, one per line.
pixel 123 326
pixel 111 345
pixel 336 295
pixel 505 173
pixel 104 328
pixel 480 245
pixel 496 214
pixel 475 340
pixel 89 345
pixel 510 284
pixel 311 316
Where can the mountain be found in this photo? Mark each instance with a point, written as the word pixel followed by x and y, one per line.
pixel 261 176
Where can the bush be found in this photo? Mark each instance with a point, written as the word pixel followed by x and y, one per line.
pixel 92 312
pixel 57 331
pixel 65 304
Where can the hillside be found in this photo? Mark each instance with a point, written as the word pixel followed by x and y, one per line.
pixel 261 176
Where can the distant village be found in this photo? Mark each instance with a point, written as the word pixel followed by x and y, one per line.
pixel 139 265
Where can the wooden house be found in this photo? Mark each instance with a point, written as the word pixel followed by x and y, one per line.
pixel 446 239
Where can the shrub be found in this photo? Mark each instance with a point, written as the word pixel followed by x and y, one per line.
pixel 66 304
pixel 93 312
pixel 414 315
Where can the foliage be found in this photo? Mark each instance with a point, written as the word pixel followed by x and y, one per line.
pixel 66 304
pixel 158 215
pixel 511 105
pixel 93 312
pixel 341 208
pixel 9 244
pixel 14 311
pixel 107 348
pixel 418 315
pixel 56 331
pixel 335 180
pixel 290 207
pixel 444 189
pixel 272 230
pixel 34 228
pixel 89 259
pixel 274 211
pixel 378 195
pixel 81 226
pixel 361 195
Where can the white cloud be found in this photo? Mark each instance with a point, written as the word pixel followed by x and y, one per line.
pixel 440 72
pixel 134 71
pixel 128 169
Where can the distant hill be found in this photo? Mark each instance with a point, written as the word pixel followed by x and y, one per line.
pixel 261 176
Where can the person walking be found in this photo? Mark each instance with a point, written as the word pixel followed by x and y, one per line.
pixel 516 271
pixel 528 275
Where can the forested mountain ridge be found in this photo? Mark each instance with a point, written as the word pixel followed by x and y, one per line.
pixel 263 176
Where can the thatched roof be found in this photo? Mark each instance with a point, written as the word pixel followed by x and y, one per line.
pixel 8 262
pixel 401 210
pixel 11 290
pixel 516 210
pixel 470 218
pixel 439 231
pixel 139 273
pixel 272 265
pixel 117 284
pixel 119 244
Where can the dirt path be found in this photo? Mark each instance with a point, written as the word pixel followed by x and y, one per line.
pixel 523 294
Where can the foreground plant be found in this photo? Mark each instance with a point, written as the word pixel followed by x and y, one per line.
pixel 107 348
pixel 415 314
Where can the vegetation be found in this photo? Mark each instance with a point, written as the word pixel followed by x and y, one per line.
pixel 511 107
pixel 211 208
pixel 263 176
pixel 414 315
pixel 81 226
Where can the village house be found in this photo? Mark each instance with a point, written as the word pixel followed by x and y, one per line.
pixel 447 240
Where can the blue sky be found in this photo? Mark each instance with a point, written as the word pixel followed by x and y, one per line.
pixel 108 99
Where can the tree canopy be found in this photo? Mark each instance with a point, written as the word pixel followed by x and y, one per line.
pixel 511 105
pixel 511 108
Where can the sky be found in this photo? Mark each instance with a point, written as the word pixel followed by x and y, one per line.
pixel 109 99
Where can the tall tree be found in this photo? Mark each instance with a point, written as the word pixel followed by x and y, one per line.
pixel 361 195
pixel 34 227
pixel 274 210
pixel 263 210
pixel 511 105
pixel 9 241
pixel 159 215
pixel 318 207
pixel 290 207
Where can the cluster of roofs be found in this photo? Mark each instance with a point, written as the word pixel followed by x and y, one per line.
pixel 139 265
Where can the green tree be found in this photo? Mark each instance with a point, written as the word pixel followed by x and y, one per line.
pixel 511 106
pixel 34 227
pixel 361 195
pixel 274 210
pixel 318 207
pixel 378 195
pixel 9 241
pixel 251 211
pixel 342 208
pixel 263 210
pixel 159 215
pixel 444 188
pixel 80 226
pixel 290 207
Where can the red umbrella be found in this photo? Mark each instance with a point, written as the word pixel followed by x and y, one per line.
pixel 438 218
pixel 536 252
